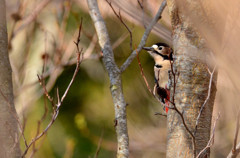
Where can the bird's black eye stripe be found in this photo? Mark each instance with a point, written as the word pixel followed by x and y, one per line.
pixel 158 66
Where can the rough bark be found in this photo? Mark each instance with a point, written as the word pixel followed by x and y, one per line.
pixel 9 146
pixel 190 53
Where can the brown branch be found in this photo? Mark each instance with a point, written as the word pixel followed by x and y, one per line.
pixel 32 16
pixel 188 130
pixel 142 73
pixel 236 133
pixel 235 154
pixel 59 103
pixel 99 144
pixel 143 13
pixel 144 37
pixel 45 58
pixel 236 148
pixel 140 4
pixel 158 113
pixel 206 100
pixel 211 140
pixel 118 15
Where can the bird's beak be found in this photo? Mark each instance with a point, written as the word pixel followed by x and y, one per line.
pixel 148 48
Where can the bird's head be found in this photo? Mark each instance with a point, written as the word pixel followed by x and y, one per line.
pixel 160 51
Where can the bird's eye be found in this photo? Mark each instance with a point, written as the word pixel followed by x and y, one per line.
pixel 160 48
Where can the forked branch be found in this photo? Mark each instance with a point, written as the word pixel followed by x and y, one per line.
pixel 144 37
pixel 118 15
pixel 57 105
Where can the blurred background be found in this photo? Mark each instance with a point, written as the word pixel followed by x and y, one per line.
pixel 45 30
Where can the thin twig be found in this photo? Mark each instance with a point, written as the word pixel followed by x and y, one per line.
pixel 140 4
pixel 32 16
pixel 59 103
pixel 158 113
pixel 45 58
pixel 144 37
pixel 211 140
pixel 188 130
pixel 99 144
pixel 118 15
pixel 143 13
pixel 236 133
pixel 236 148
pixel 206 100
pixel 142 73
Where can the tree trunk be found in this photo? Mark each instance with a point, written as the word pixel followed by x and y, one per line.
pixel 190 53
pixel 9 146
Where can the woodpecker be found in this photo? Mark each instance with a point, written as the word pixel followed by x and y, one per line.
pixel 162 55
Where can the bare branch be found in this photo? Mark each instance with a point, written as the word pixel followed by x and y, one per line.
pixel 188 130
pixel 143 13
pixel 79 60
pixel 99 144
pixel 211 140
pixel 31 17
pixel 206 100
pixel 118 15
pixel 144 37
pixel 140 4
pixel 158 113
pixel 236 148
pixel 59 103
pixel 235 154
pixel 236 133
pixel 142 73
pixel 115 79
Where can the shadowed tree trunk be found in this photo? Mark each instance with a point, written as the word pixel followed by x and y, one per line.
pixel 192 85
pixel 9 146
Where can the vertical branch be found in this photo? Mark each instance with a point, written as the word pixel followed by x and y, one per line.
pixel 236 147
pixel 115 80
pixel 236 133
pixel 206 100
